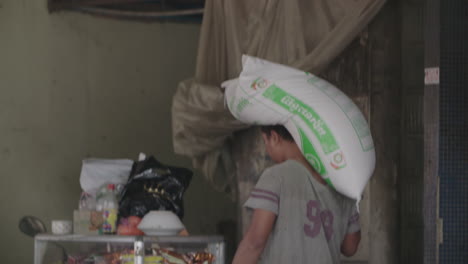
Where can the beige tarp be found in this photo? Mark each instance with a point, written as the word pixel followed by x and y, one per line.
pixel 306 34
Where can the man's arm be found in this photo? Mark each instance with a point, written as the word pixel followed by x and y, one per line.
pixel 255 239
pixel 350 244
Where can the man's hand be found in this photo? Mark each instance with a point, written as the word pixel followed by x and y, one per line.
pixel 350 244
pixel 255 239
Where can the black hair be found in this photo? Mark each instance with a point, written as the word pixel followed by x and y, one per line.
pixel 279 129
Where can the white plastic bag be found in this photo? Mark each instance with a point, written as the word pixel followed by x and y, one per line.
pixel 96 172
pixel 327 126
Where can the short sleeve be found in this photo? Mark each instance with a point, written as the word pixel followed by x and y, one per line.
pixel 266 193
pixel 353 221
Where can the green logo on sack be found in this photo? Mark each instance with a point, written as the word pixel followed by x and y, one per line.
pixel 242 104
pixel 307 114
pixel 310 154
pixel 338 161
pixel 259 83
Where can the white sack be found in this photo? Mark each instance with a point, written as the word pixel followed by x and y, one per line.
pixel 327 126
pixel 306 34
pixel 96 172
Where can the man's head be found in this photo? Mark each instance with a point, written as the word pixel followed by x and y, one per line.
pixel 278 142
pixel 278 129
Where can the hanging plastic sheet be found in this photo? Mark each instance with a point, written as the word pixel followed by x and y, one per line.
pixel 306 34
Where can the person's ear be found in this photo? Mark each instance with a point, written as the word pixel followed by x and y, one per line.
pixel 275 138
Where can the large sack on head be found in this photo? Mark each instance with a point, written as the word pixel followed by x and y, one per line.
pixel 328 127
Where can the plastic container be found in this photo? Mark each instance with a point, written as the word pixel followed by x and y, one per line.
pixel 161 223
pixel 61 227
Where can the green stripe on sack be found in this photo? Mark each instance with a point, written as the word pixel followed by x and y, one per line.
pixel 310 154
pixel 329 182
pixel 306 113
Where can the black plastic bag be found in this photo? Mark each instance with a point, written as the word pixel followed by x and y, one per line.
pixel 154 186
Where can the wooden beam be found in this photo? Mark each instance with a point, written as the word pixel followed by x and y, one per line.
pixel 55 5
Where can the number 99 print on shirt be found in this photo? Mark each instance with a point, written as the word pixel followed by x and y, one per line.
pixel 312 219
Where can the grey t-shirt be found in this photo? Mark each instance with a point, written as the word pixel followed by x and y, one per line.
pixel 312 219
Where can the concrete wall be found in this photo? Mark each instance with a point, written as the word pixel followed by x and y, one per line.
pixel 385 122
pixel 412 133
pixel 74 86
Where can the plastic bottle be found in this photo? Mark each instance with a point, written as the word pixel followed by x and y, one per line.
pixel 87 202
pixel 107 203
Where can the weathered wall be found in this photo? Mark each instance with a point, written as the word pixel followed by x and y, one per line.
pixel 74 86
pixel 431 134
pixel 385 97
pixel 412 132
